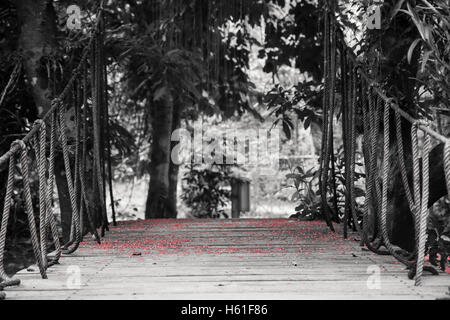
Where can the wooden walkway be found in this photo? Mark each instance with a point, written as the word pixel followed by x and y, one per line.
pixel 225 259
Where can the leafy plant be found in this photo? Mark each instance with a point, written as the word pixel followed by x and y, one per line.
pixel 205 191
pixel 304 182
pixel 438 242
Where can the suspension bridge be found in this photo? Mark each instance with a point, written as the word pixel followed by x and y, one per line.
pixel 225 258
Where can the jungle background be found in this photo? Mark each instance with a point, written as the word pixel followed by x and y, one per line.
pixel 232 64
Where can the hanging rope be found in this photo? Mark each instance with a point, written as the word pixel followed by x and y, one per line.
pixel 12 79
pixel 6 281
pixel 352 149
pixel 424 211
pixel 29 208
pixel 447 165
pixel 415 184
pixel 50 185
pixel 385 181
pixel 370 120
pixel 75 94
pixel 328 101
pixel 75 233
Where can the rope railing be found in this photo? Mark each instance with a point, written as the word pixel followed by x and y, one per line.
pixel 39 148
pixel 371 97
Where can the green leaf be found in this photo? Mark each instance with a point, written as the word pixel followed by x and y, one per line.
pixel 411 49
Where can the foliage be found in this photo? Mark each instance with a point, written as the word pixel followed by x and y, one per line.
pixel 432 21
pixel 438 242
pixel 205 191
pixel 305 183
pixel 302 101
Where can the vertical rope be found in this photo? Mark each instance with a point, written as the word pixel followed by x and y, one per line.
pixel 70 180
pixel 401 155
pixel 352 148
pixel 385 178
pixel 424 210
pixel 29 208
pixel 324 161
pixel 51 178
pixel 5 280
pixel 447 165
pixel 370 143
pixel 416 182
pixel 42 169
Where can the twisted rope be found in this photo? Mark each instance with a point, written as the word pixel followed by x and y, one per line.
pixel 29 208
pixel 51 178
pixel 5 279
pixel 39 147
pixel 447 165
pixel 384 195
pixel 70 184
pixel 370 140
pixel 424 211
pixel 75 182
pixel 404 175
pixel 58 100
pixel 401 156
pixel 416 183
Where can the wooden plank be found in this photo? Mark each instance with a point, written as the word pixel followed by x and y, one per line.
pixel 223 259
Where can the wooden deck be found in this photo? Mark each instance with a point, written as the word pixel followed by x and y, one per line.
pixel 225 259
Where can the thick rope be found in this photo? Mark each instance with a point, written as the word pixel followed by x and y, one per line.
pixel 51 178
pixel 41 166
pixel 416 182
pixel 423 211
pixel 5 279
pixel 70 182
pixel 370 141
pixel 58 100
pixel 46 167
pixel 29 208
pixel 385 181
pixel 447 165
pixel 401 156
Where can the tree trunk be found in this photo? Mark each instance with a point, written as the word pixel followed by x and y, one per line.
pixel 316 135
pixel 158 191
pixel 174 168
pixel 37 40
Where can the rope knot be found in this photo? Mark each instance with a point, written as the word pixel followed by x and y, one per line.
pixel 390 101
pixel 39 123
pixel 56 101
pixel 20 144
pixel 422 122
